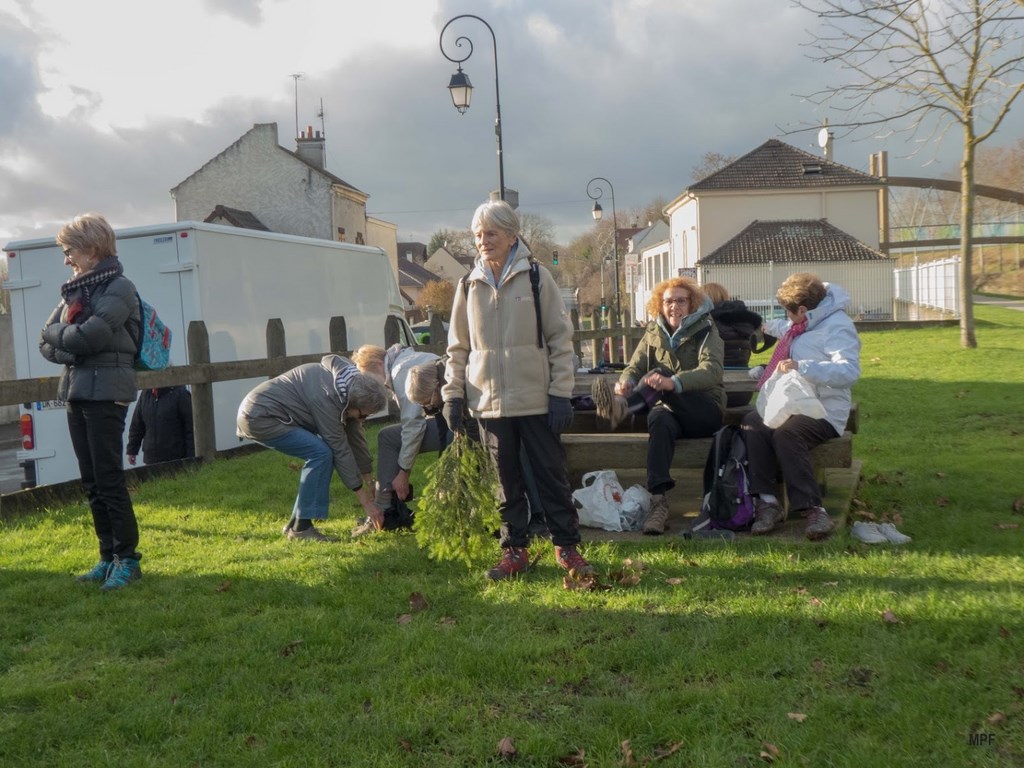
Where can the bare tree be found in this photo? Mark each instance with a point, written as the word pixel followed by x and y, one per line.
pixel 940 64
pixel 711 162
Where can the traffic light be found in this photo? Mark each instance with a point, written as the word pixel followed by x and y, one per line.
pixel 604 307
pixel 554 258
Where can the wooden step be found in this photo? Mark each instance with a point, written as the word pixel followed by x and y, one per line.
pixel 628 450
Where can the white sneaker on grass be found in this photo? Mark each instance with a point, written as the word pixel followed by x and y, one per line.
pixel 892 535
pixel 868 533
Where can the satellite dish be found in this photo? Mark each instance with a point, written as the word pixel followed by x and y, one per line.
pixel 823 137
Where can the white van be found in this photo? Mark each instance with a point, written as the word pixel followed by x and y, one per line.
pixel 232 279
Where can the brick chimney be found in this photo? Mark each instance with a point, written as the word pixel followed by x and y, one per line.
pixel 310 147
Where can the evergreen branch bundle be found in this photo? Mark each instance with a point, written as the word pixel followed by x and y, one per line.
pixel 458 508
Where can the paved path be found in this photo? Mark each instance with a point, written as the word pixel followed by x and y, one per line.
pixel 1017 304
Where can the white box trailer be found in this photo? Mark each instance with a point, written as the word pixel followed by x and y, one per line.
pixel 232 279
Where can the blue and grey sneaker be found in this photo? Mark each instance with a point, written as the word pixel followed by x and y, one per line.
pixel 122 573
pixel 98 572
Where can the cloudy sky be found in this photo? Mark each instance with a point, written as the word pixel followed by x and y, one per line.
pixel 108 105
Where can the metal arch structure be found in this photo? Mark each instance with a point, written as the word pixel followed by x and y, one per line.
pixel 948 185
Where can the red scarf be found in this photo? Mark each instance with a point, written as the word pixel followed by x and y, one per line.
pixel 782 351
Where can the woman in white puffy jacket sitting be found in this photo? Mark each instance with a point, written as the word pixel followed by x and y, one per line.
pixel 819 340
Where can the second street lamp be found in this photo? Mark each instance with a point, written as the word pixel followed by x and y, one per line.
pixel 461 88
pixel 597 194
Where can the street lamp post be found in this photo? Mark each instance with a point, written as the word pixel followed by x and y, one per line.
pixel 461 89
pixel 597 213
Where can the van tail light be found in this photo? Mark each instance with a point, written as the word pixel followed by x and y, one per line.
pixel 27 437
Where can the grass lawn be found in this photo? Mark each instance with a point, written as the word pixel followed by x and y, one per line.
pixel 239 648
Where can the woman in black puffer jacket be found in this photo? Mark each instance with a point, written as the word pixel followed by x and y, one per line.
pixel 92 333
pixel 737 326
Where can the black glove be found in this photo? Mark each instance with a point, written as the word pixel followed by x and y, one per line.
pixel 559 413
pixel 452 413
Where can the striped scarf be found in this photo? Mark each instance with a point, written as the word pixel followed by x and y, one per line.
pixel 77 293
pixel 342 382
pixel 781 351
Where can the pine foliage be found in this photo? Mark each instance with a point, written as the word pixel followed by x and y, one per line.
pixel 458 508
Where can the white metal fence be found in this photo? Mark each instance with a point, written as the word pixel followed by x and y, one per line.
pixel 933 286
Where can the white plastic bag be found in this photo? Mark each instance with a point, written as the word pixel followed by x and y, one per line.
pixel 788 394
pixel 599 501
pixel 636 503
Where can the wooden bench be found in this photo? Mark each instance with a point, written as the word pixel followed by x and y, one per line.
pixel 588 448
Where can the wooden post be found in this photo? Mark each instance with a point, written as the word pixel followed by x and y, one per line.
pixel 595 345
pixel 338 333
pixel 202 393
pixel 276 346
pixel 574 317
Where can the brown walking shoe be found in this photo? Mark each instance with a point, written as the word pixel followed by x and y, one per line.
pixel 819 524
pixel 766 516
pixel 612 409
pixel 654 525
pixel 514 561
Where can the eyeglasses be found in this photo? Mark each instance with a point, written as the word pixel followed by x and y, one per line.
pixel 676 301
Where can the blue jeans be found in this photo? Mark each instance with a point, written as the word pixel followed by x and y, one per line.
pixel 315 478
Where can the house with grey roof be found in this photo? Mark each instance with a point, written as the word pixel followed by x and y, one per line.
pixel 779 210
pixel 257 181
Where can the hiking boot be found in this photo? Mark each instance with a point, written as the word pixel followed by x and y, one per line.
pixel 611 408
pixel 310 534
pixel 98 572
pixel 819 524
pixel 514 561
pixel 767 514
pixel 654 525
pixel 570 559
pixel 121 574
pixel 365 526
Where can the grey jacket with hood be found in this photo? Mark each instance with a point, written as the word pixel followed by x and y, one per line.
pixel 827 353
pixel 306 397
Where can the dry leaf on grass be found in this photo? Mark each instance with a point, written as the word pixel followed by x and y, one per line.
pixel 1017 507
pixel 405 744
pixel 367 706
pixel 675 581
pixel 575 760
pixel 291 648
pixel 404 619
pixel 769 752
pixel 797 716
pixel 660 753
pixel 889 617
pixel 224 586
pixel 629 579
pixel 507 748
pixel 996 718
pixel 942 501
pixel 417 602
pixel 586 582
pixel 295 466
pixel 1006 526
pixel 1004 632
pixel 627 754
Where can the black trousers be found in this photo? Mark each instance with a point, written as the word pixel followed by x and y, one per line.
pixel 787 448
pixel 97 432
pixel 676 417
pixel 506 438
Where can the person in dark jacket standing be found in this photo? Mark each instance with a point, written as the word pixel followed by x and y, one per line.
pixel 162 426
pixel 92 334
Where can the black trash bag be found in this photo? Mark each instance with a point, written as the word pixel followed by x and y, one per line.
pixel 398 515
